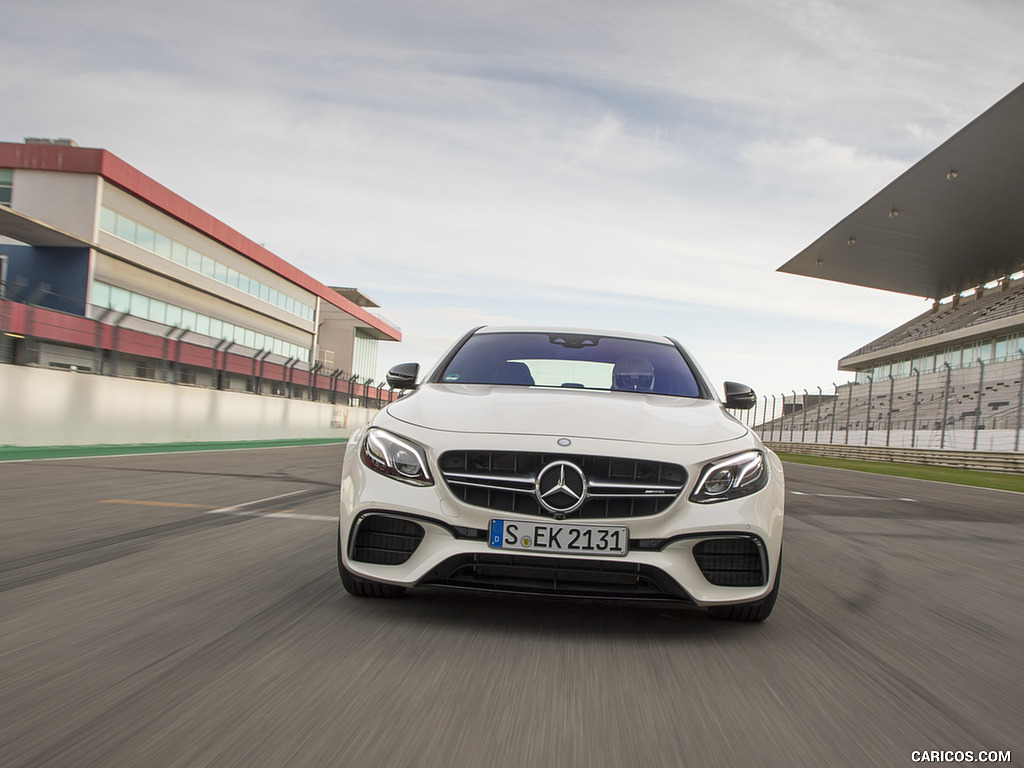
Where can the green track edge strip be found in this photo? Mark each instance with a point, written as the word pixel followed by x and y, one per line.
pixel 978 478
pixel 29 453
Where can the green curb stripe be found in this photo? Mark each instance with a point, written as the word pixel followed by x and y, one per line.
pixel 27 453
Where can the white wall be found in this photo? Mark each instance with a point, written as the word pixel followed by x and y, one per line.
pixel 46 407
pixel 63 200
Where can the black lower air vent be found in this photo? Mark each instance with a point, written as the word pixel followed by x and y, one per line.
pixel 385 540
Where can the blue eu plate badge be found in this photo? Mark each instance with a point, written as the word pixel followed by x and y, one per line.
pixel 497 532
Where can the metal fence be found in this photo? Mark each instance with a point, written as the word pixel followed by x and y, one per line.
pixel 977 407
pixel 118 344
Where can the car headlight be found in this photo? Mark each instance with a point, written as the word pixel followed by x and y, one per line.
pixel 731 478
pixel 395 457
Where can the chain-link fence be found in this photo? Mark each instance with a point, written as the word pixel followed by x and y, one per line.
pixel 978 407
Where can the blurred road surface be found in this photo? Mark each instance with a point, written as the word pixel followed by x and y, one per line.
pixel 185 610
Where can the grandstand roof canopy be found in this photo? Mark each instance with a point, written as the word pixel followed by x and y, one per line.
pixel 953 221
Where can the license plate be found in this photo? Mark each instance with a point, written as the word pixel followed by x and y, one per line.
pixel 567 539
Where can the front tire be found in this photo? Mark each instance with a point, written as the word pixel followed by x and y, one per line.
pixel 360 587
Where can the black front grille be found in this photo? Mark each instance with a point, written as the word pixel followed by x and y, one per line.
pixel 574 577
pixel 385 540
pixel 735 562
pixel 505 481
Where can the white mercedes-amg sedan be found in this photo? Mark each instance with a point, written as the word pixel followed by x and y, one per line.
pixel 564 462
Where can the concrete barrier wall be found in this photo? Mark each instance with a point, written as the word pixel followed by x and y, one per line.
pixel 46 407
pixel 954 439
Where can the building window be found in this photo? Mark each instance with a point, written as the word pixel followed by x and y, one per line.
pixel 187 375
pixel 145 369
pixel 108 219
pixel 107 296
pixel 901 368
pixel 364 356
pixel 6 186
pixel 128 229
pixel 925 363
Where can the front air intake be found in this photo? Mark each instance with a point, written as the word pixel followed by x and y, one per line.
pixel 732 562
pixel 381 539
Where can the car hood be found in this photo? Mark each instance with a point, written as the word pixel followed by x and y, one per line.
pixel 567 413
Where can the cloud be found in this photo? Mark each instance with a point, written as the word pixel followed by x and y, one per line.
pixel 588 163
pixel 815 166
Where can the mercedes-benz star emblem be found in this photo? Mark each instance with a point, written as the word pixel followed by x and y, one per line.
pixel 561 487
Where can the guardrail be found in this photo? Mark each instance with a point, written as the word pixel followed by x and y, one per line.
pixel 991 461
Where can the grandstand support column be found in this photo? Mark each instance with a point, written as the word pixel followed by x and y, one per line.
pixel 290 367
pixel 176 363
pixel 215 367
pixel 285 378
pixel 1020 401
pixel 263 361
pixel 313 379
pixel 115 351
pixel 803 429
pixel 817 418
pixel 849 408
pixel 867 419
pixel 792 420
pixel 832 423
pixel 98 341
pixel 256 356
pixel 945 404
pixel 888 418
pixel 334 385
pixel 223 377
pixel 165 366
pixel 981 395
pixel 913 427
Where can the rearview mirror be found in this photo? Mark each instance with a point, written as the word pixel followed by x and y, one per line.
pixel 403 376
pixel 739 396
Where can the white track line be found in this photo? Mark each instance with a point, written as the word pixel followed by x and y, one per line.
pixel 841 496
pixel 239 509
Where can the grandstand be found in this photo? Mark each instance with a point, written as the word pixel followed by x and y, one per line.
pixel 950 229
pixel 981 316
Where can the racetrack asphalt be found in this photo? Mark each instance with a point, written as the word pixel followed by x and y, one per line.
pixel 185 610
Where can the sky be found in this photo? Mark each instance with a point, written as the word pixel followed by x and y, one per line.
pixel 642 166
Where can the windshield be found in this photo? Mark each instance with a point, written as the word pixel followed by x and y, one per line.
pixel 573 361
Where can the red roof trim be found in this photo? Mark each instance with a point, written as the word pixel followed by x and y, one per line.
pixel 48 157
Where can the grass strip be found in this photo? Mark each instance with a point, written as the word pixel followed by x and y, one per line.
pixel 27 453
pixel 1003 481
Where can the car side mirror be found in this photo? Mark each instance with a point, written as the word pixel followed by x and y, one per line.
pixel 739 396
pixel 403 376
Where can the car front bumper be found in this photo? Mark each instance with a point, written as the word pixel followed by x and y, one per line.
pixel 669 556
